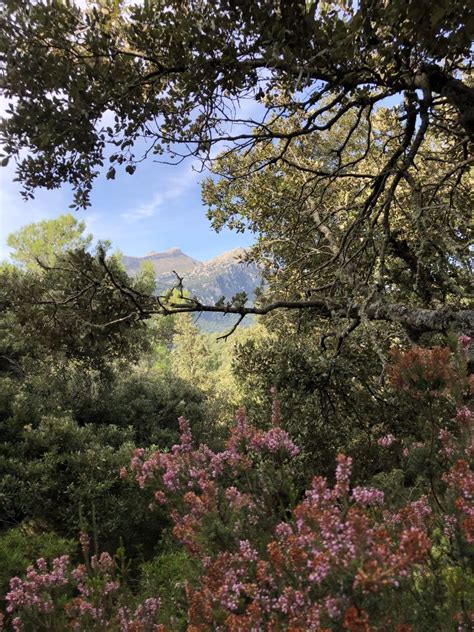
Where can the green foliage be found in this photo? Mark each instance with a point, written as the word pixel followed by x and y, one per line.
pixel 301 257
pixel 166 576
pixel 40 244
pixel 61 475
pixel 330 405
pixel 66 66
pixel 30 307
pixel 21 545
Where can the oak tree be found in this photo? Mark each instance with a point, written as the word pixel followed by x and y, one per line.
pixel 254 83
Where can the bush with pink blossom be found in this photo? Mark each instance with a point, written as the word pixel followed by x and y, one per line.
pixel 266 556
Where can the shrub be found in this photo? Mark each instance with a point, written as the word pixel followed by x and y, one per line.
pixel 341 556
pixel 26 542
pixel 62 475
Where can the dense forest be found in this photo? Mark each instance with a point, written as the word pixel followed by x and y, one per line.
pixel 309 468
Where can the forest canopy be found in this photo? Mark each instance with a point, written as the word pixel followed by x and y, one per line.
pixel 355 118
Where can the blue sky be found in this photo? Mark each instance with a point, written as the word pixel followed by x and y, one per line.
pixel 159 207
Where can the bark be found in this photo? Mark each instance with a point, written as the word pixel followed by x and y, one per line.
pixel 458 94
pixel 416 319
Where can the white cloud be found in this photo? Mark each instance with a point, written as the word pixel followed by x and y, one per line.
pixel 144 211
pixel 176 186
pixel 92 220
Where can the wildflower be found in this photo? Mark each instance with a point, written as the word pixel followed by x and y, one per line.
pixel 343 473
pixel 464 342
pixel 368 496
pixel 386 441
pixel 463 415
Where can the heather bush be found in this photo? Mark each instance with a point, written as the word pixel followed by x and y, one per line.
pixel 24 543
pixel 90 596
pixel 259 554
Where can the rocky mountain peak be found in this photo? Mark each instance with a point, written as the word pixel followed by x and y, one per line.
pixel 224 275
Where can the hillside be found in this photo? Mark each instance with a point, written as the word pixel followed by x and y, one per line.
pixel 224 275
pixel 162 262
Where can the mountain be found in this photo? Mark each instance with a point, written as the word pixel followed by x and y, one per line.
pixel 162 262
pixel 225 275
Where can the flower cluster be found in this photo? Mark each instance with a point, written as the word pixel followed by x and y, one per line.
pixel 202 487
pixel 386 441
pixel 463 416
pixel 328 556
pixel 84 598
pixel 368 496
pixel 460 481
pixel 273 557
pixel 422 371
pixel 34 591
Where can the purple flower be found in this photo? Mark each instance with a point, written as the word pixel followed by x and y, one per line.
pixel 368 496
pixel 386 440
pixel 463 415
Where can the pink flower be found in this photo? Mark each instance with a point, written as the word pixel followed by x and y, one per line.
pixel 463 415
pixel 343 474
pixel 464 342
pixel 160 497
pixel 247 552
pixel 333 607
pixel 386 441
pixel 449 525
pixel 274 440
pixel 17 625
pixel 446 439
pixel 368 496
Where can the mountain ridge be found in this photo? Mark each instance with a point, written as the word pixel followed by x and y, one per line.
pixel 222 276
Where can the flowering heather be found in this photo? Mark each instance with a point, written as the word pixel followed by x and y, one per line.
pixel 368 496
pixel 463 415
pixel 460 481
pixel 330 553
pixel 33 590
pixel 386 441
pixel 464 342
pixel 422 371
pixel 82 599
pixel 270 557
pixel 201 486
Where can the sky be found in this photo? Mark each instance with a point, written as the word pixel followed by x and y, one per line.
pixel 159 207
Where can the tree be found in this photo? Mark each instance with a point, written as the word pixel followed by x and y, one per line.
pixel 39 244
pixel 312 243
pixel 67 311
pixel 175 77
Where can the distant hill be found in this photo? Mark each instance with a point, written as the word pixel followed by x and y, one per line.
pixel 224 275
pixel 162 262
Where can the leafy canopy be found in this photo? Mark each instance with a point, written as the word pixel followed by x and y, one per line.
pixel 39 244
pixel 118 80
pixel 294 92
